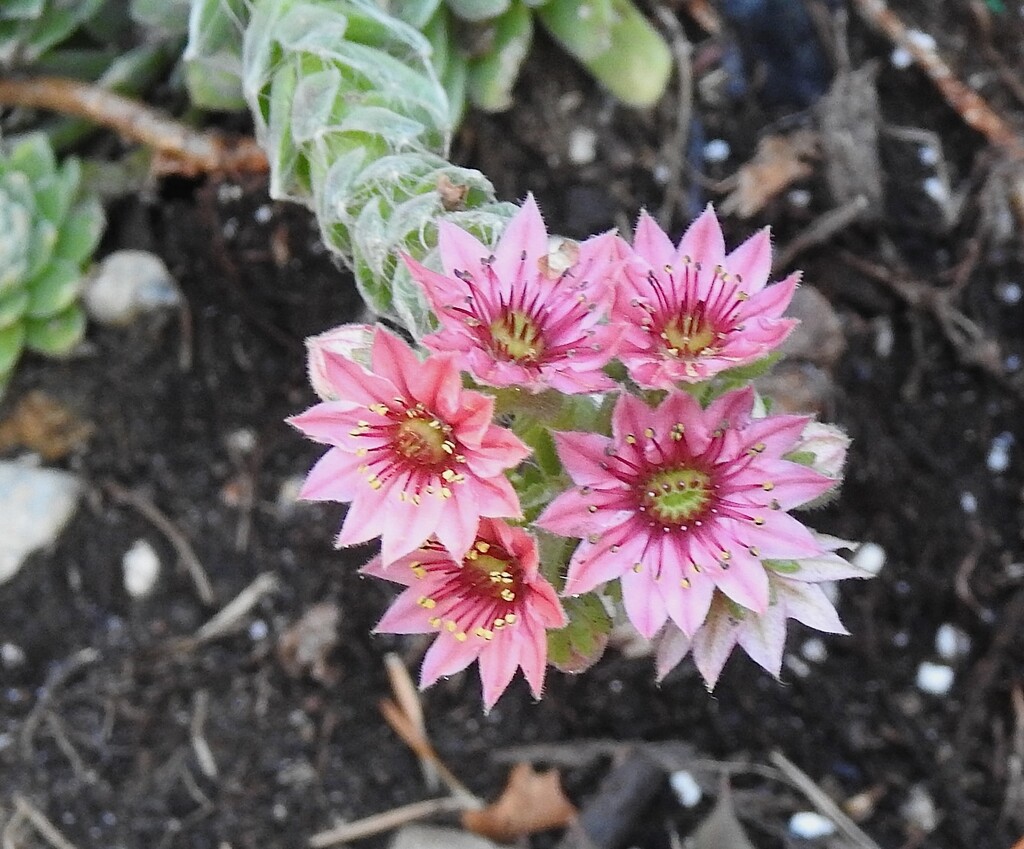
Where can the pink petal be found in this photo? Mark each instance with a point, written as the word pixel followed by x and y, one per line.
pixel 673 646
pixel 459 528
pixel 651 242
pixel 438 384
pixel 763 638
pixel 499 450
pixel 751 262
pixel 570 514
pixel 808 603
pixel 460 251
pixel 441 290
pixel 335 477
pixel 394 361
pixel 781 537
pixel 772 436
pixel 688 606
pixel 582 455
pixel 409 525
pixel 405 616
pixel 533 656
pixel 732 408
pixel 446 656
pixel 641 597
pixel 523 242
pixel 363 521
pixel 595 564
pixel 328 422
pixel 546 606
pixel 712 646
pixel 352 382
pixel 745 582
pixel 498 663
pixel 772 301
pixel 472 420
pixel 703 241
pixel 788 484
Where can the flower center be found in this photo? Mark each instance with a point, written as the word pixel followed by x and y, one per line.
pixel 675 496
pixel 424 441
pixel 689 334
pixel 516 336
pixel 490 572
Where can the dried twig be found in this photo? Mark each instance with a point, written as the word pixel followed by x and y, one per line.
pixel 56 679
pixel 47 830
pixel 386 821
pixel 408 699
pixel 199 745
pixel 227 619
pixel 405 728
pixel 182 149
pixel 176 538
pixel 821 230
pixel 972 108
pixel 817 797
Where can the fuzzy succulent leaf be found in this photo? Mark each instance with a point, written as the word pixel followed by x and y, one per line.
pixel 57 334
pixel 356 121
pixel 478 10
pixel 213 56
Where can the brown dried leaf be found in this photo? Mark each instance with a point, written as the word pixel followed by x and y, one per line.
pixel 531 801
pixel 306 645
pixel 453 196
pixel 779 162
pixel 44 425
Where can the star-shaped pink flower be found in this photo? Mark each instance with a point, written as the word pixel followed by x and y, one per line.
pixel 524 315
pixel 690 312
pixel 682 501
pixel 492 606
pixel 415 453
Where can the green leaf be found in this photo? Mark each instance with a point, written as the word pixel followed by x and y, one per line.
pixel 493 75
pixel 745 374
pixel 783 567
pixel 33 157
pixel 54 290
pixel 57 335
pixel 478 10
pixel 80 232
pixel 579 644
pixel 628 57
pixel 12 341
pixel 40 252
pixel 12 307
pixel 55 192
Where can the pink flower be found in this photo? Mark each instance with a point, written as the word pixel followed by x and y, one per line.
pixel 795 594
pixel 414 453
pixel 681 501
pixel 525 315
pixel 691 311
pixel 492 605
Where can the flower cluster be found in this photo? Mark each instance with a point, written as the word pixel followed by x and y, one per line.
pixel 576 400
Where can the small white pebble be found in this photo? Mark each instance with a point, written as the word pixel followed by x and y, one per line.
pixel 258 630
pixel 936 679
pixel 288 494
pixel 1012 362
pixel 901 639
pixel 901 58
pixel 921 39
pixel 797 666
pixel 227 192
pixel 686 788
pixel 716 151
pixel 814 650
pixel 263 214
pixel 885 338
pixel 927 154
pixel 998 459
pixel 810 825
pixel 582 146
pixel 870 557
pixel 968 502
pixel 241 441
pixel 935 189
pixel 952 642
pixel 919 810
pixel 141 568
pixel 800 198
pixel 1009 293
pixel 11 655
pixel 230 228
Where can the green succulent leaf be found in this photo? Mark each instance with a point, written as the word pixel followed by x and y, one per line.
pixel 54 290
pixel 12 341
pixel 13 306
pixel 55 192
pixel 33 157
pixel 493 75
pixel 579 645
pixel 81 232
pixel 213 57
pixel 57 335
pixel 478 10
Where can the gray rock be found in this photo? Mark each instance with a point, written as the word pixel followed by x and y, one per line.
pixel 128 284
pixel 35 505
pixel 435 837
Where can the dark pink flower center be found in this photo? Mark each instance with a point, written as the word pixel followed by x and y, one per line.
pixel 481 594
pixel 517 336
pixel 424 440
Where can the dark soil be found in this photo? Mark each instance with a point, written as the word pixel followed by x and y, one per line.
pixel 104 745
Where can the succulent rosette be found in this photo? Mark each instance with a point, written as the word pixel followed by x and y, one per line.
pixel 523 314
pixel 692 311
pixel 50 230
pixel 680 502
pixel 414 453
pixel 492 606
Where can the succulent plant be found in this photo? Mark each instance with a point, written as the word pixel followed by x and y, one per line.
pixel 48 231
pixel 29 28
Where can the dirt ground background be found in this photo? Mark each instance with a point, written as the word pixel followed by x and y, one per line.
pixel 188 417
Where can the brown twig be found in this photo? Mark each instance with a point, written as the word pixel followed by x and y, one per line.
pixel 821 230
pixel 46 829
pixel 386 821
pixel 675 148
pixel 182 149
pixel 972 108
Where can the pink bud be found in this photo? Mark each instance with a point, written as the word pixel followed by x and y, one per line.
pixel 351 341
pixel 827 444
